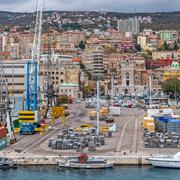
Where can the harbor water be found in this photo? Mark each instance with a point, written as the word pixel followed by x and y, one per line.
pixel 117 173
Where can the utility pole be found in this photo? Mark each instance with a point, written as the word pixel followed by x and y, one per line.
pixel 150 88
pixel 50 94
pixel 98 71
pixel 98 108
pixel 112 90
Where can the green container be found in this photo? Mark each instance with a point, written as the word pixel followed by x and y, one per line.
pixel 3 143
pixel 16 123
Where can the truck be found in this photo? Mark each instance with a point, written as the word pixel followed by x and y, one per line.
pixel 115 111
pixel 27 129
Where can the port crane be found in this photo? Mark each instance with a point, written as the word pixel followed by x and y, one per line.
pixel 5 106
pixel 32 79
pixel 30 118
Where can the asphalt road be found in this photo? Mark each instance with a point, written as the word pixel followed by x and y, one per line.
pixel 127 140
pixel 26 143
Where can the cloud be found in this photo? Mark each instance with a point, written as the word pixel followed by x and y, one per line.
pixel 107 5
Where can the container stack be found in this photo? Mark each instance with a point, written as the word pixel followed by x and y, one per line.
pixel 3 138
pixel 72 140
pixel 104 111
pixel 27 122
pixel 168 124
pixel 161 140
pixel 149 124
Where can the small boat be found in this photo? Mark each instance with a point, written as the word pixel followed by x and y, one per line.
pixel 165 161
pixel 7 164
pixel 85 162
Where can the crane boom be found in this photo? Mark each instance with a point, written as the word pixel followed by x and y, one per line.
pixel 33 66
pixel 37 34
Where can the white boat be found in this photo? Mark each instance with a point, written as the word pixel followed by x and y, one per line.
pixel 166 161
pixel 83 162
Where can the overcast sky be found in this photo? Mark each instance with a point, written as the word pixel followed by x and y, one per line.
pixel 105 5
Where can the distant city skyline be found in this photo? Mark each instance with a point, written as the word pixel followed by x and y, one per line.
pixel 128 6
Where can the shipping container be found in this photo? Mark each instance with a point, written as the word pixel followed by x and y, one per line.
pixel 150 127
pixel 115 111
pixel 3 132
pixel 147 120
pixel 168 124
pixel 3 143
pixel 16 123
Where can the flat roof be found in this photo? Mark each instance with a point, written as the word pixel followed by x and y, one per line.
pixel 69 85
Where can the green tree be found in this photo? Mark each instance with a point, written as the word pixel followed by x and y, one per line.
pixel 138 47
pixel 82 45
pixel 82 66
pixel 87 90
pixel 166 46
pixel 171 87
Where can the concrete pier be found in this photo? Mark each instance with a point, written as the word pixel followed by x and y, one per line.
pixel 52 160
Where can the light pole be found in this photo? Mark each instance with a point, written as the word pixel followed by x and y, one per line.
pixel 150 88
pixel 112 91
pixel 97 107
pixel 98 71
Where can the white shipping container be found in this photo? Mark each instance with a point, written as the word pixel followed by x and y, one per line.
pixel 115 111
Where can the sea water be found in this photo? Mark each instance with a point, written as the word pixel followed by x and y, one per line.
pixel 117 173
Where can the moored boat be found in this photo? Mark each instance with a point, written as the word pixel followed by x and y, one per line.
pixel 7 164
pixel 85 162
pixel 165 161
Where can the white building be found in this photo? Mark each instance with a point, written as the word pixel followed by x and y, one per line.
pixel 71 90
pixel 129 25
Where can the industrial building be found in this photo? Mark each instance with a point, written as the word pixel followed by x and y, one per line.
pixel 15 73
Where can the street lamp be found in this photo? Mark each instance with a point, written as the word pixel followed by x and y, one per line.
pixel 112 87
pixel 150 88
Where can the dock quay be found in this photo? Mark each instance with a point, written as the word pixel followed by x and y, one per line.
pixel 52 160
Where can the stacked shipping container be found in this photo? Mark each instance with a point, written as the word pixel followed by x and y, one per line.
pixel 3 138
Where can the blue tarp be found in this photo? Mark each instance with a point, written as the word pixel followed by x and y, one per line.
pixel 167 119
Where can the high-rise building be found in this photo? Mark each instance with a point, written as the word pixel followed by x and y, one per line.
pixel 129 25
pixel 98 64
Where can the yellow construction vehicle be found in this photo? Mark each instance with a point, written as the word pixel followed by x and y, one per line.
pixel 56 113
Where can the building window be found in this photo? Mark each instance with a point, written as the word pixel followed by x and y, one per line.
pixel 62 81
pixel 16 84
pixel 127 63
pixel 127 75
pixel 61 73
pixel 69 90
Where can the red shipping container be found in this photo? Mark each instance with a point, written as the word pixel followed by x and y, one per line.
pixel 3 132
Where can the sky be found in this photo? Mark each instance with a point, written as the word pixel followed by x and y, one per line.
pixel 95 5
